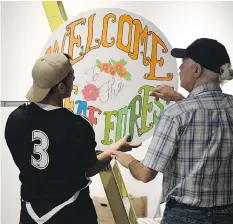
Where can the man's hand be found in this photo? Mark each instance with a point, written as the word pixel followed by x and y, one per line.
pixel 104 158
pixel 123 158
pixel 166 93
pixel 124 144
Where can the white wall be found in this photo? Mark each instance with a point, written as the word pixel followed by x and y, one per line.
pixel 24 30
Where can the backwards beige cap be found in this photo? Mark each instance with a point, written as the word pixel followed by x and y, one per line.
pixel 47 72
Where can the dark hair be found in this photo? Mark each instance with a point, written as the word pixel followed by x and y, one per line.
pixel 68 56
pixel 64 81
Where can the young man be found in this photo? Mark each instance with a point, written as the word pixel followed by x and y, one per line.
pixel 54 149
pixel 192 143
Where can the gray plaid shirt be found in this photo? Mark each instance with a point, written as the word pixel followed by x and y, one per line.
pixel 192 146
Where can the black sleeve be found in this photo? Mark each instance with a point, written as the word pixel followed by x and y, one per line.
pixel 15 137
pixel 86 136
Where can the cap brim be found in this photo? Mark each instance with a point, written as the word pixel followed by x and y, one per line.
pixel 179 53
pixel 36 94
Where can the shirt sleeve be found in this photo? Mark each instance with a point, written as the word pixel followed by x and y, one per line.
pixel 163 144
pixel 85 137
pixel 15 137
pixel 91 153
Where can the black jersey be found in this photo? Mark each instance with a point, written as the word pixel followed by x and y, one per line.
pixel 52 149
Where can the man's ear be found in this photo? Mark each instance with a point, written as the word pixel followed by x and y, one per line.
pixel 61 88
pixel 197 70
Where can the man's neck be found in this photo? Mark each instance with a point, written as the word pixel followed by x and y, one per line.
pixel 53 102
pixel 200 83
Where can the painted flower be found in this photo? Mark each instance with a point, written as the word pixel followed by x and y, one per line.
pixel 118 66
pixel 112 71
pixel 105 67
pixel 114 68
pixel 90 92
pixel 123 73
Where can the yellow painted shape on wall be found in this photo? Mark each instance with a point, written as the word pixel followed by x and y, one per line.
pixel 55 13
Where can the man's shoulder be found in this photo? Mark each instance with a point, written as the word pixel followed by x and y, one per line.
pixel 25 112
pixel 178 108
pixel 18 113
pixel 15 124
pixel 229 97
pixel 80 120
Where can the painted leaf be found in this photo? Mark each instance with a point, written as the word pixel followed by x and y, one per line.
pixel 123 62
pixel 128 76
pixel 110 62
pixel 113 62
pixel 98 63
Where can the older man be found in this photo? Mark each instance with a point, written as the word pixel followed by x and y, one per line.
pixel 192 143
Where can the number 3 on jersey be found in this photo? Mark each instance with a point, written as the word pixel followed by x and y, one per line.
pixel 40 149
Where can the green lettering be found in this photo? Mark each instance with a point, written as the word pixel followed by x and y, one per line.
pixel 122 113
pixel 108 127
pixel 146 107
pixel 133 115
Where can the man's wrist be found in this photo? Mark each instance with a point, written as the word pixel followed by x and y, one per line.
pixel 133 170
pixel 132 162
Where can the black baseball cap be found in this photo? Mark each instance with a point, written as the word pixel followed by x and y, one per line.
pixel 208 53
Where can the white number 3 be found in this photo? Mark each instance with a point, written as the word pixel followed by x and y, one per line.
pixel 40 149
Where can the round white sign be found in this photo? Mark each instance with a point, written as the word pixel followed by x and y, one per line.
pixel 118 58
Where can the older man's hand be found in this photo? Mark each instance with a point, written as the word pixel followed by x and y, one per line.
pixel 123 158
pixel 166 93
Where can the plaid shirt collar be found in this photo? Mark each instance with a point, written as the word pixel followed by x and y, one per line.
pixel 205 88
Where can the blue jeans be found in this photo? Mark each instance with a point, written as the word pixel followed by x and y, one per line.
pixel 177 213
